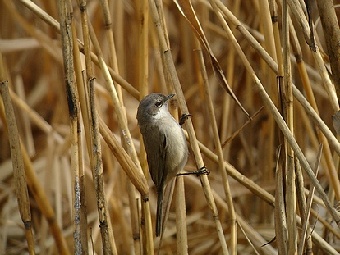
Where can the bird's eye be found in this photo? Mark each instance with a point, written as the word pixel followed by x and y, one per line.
pixel 159 103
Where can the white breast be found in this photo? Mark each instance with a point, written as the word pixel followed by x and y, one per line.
pixel 176 143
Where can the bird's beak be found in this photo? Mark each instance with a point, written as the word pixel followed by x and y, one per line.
pixel 168 97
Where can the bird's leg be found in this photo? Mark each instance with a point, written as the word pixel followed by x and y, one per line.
pixel 183 118
pixel 201 171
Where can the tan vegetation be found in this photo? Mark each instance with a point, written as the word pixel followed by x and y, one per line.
pixel 261 80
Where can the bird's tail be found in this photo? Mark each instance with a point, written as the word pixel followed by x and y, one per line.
pixel 163 206
pixel 159 219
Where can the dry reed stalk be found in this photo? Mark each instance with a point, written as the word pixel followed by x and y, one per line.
pixel 330 25
pixel 42 201
pixel 130 56
pixel 318 121
pixel 287 133
pixel 309 127
pixel 126 136
pixel 82 88
pixel 142 58
pixel 116 77
pixel 253 187
pixel 297 11
pixel 125 160
pixel 269 128
pixel 289 166
pixel 68 34
pixel 188 12
pixel 44 40
pixel 49 20
pixel 227 103
pixel 306 213
pixel 255 238
pixel 109 246
pixel 17 161
pixel 279 208
pixel 135 176
pixel 315 115
pixel 114 97
pixel 44 205
pixel 182 242
pixel 143 79
pixel 35 117
pixel 109 36
pixel 83 84
pixel 80 235
pixel 172 77
pixel 41 14
pixel 217 143
pixel 27 129
pixel 248 183
pixel 302 207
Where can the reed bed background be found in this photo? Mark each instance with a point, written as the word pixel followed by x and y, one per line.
pixel 261 80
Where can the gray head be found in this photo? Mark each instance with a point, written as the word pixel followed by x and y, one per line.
pixel 151 105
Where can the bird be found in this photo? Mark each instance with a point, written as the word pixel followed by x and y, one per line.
pixel 165 145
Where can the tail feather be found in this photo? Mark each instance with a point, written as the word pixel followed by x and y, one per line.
pixel 159 219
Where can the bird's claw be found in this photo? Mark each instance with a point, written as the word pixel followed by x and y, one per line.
pixel 183 118
pixel 201 171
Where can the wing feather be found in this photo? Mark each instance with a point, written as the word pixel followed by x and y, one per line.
pixel 156 149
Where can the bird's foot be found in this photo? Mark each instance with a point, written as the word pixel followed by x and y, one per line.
pixel 183 118
pixel 201 171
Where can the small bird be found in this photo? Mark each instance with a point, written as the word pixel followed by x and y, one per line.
pixel 165 144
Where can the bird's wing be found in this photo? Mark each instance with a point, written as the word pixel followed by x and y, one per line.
pixel 156 150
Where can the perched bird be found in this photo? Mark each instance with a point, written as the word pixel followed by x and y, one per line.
pixel 165 145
